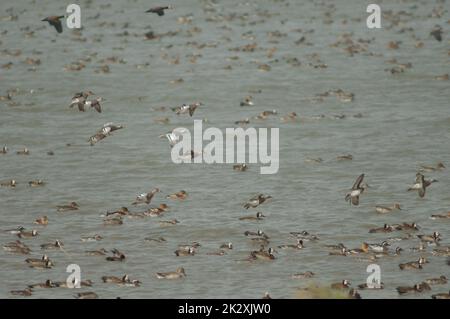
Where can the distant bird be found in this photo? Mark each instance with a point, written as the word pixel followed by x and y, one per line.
pixel 79 100
pixel 104 132
pixel 41 220
pixel 187 108
pixel 385 209
pixel 179 273
pixel 357 189
pixel 95 104
pixel 159 10
pixel 437 33
pixel 71 206
pixel 86 295
pixel 344 284
pixel 257 200
pixel 56 22
pixel 427 168
pixel 175 136
pixel 421 184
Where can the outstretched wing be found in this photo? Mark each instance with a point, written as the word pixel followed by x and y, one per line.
pixel 355 200
pixel 97 107
pixel 57 24
pixel 358 181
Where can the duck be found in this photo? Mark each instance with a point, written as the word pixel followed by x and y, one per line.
pixel 69 207
pixel 32 261
pixel 43 264
pixel 104 132
pixel 405 226
pixel 240 167
pixel 427 168
pixel 421 185
pixel 47 284
pixel 25 293
pixel 338 246
pixel 362 250
pixel 226 246
pixel 94 104
pixel 262 254
pixel 36 183
pixel 413 264
pixel 291 117
pixel 430 239
pixel 194 245
pixel 99 252
pixel 55 22
pixel 156 211
pixel 83 283
pixel 423 286
pixel 258 233
pixel 117 256
pixel 258 216
pixel 243 122
pixel 385 229
pixel 113 221
pixel 181 195
pixel 187 108
pixel 303 275
pixel 145 197
pixel 422 247
pixel 441 280
pixel 441 216
pixel 441 296
pixel 43 220
pixel 247 101
pixel 184 252
pixel 171 222
pixel 257 200
pixel 299 245
pixel 159 10
pixel 4 150
pixel 442 251
pixel 10 183
pixel 123 211
pixel 124 281
pixel 27 234
pixel 17 247
pixel 86 295
pixel 24 151
pixel 344 284
pixel 178 274
pixel 384 246
pixel 386 209
pixel 357 189
pixel 373 285
pixel 95 237
pixel 304 235
pixel 341 252
pixel 56 245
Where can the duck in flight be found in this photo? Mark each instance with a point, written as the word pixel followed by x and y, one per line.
pixel 357 189
pixel 159 10
pixel 56 22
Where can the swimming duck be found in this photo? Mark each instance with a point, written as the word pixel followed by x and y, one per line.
pixel 47 284
pixel 156 211
pixel 227 246
pixel 441 251
pixel 291 117
pixel 4 150
pixel 422 247
pixel 56 245
pixel 413 264
pixel 405 226
pixel 362 250
pixel 258 233
pixel 86 295
pixel 344 284
pixel 26 292
pixel 247 101
pixel 95 237
pixel 299 245
pixel 430 239
pixel 65 208
pixel 43 264
pixel 159 10
pixel 423 286
pixel 441 296
pixel 124 281
pixel 184 252
pixel 113 221
pixel 99 252
pixel 178 274
pixel 11 183
pixel 384 246
pixel 168 222
pixel 371 286
pixel 264 114
pixel 341 252
pixel 347 157
pixel 385 209
pixel 145 197
pixel 55 22
pixel 303 275
pixel 257 200
pixel 15 231
pixel 24 151
pixel 63 284
pixel 43 220
pixel 181 195
pixel 385 229
pixel 440 216
pixel 262 254
pixel 37 260
pixel 426 168
pixel 17 247
pixel 117 256
pixel 357 189
pixel 240 167
pixel 442 280
pixel 336 247
pixel 27 234
pixel 243 122
pixel 36 183
pixel 123 211
pixel 258 216
pixel 305 236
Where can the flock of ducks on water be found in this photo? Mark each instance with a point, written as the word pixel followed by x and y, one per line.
pixel 367 251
